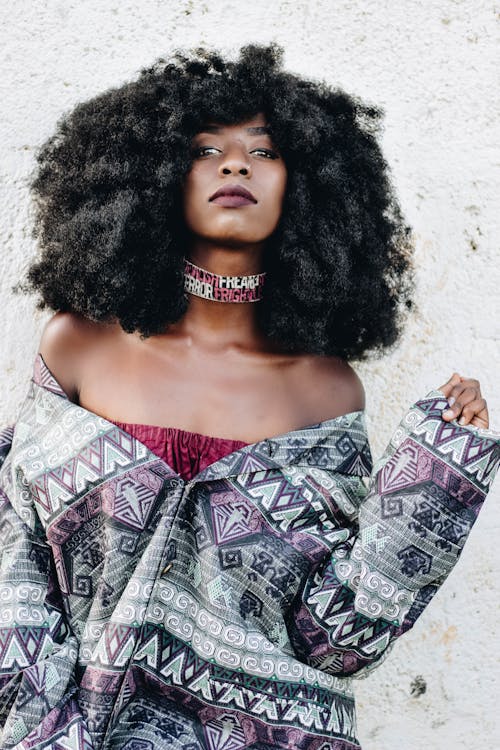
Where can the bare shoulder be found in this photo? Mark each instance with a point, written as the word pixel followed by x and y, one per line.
pixel 64 342
pixel 338 389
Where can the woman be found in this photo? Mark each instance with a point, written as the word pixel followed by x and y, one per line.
pixel 186 491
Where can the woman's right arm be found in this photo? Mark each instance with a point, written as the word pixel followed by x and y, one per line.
pixel 37 648
pixel 61 345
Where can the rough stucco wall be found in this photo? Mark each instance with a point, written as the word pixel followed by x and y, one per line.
pixel 431 65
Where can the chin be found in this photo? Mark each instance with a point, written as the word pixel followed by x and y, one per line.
pixel 239 242
pixel 234 239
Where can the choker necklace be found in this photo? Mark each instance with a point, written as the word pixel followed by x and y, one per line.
pixel 219 288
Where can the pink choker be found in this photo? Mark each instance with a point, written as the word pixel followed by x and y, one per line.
pixel 219 288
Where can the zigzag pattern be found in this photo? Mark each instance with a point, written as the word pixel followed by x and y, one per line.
pixel 470 451
pixel 225 612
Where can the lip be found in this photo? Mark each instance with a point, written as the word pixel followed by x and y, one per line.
pixel 232 195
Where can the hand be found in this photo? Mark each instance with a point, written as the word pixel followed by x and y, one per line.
pixel 466 401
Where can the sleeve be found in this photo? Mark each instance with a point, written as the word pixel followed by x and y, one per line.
pixel 38 652
pixel 421 501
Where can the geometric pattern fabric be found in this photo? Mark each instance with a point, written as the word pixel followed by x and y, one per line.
pixel 141 611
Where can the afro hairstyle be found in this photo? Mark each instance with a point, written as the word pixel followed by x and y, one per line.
pixel 108 214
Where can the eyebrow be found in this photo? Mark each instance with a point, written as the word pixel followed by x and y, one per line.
pixel 257 130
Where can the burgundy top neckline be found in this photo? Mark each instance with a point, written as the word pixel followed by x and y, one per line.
pixel 186 452
pixel 176 431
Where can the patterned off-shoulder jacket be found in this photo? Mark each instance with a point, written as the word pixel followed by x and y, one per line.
pixel 142 611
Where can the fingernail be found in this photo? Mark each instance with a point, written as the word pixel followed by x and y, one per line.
pixel 451 401
pixel 447 413
pixel 461 420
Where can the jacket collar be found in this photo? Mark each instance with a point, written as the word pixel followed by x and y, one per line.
pixel 338 444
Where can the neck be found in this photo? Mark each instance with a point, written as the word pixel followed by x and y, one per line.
pixel 227 261
pixel 223 323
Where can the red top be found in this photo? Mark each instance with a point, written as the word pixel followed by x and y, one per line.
pixel 186 452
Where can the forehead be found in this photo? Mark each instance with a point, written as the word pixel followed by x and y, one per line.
pixel 256 125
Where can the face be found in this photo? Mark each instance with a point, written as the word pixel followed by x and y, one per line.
pixel 233 193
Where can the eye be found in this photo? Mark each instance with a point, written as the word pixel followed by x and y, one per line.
pixel 268 153
pixel 201 151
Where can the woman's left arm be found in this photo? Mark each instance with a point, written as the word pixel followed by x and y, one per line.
pixel 423 497
pixel 465 400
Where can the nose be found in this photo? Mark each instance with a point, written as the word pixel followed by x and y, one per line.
pixel 235 161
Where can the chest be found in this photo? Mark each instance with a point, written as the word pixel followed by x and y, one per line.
pixel 214 396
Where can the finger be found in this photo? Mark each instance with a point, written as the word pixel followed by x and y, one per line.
pixel 471 383
pixel 453 381
pixel 464 394
pixel 475 413
pixel 458 398
pixel 480 422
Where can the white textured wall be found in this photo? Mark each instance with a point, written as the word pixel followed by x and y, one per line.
pixel 431 64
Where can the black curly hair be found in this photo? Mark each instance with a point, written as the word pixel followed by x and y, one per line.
pixel 108 216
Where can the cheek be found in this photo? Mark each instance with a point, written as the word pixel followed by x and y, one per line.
pixel 191 195
pixel 278 190
pixel 279 181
